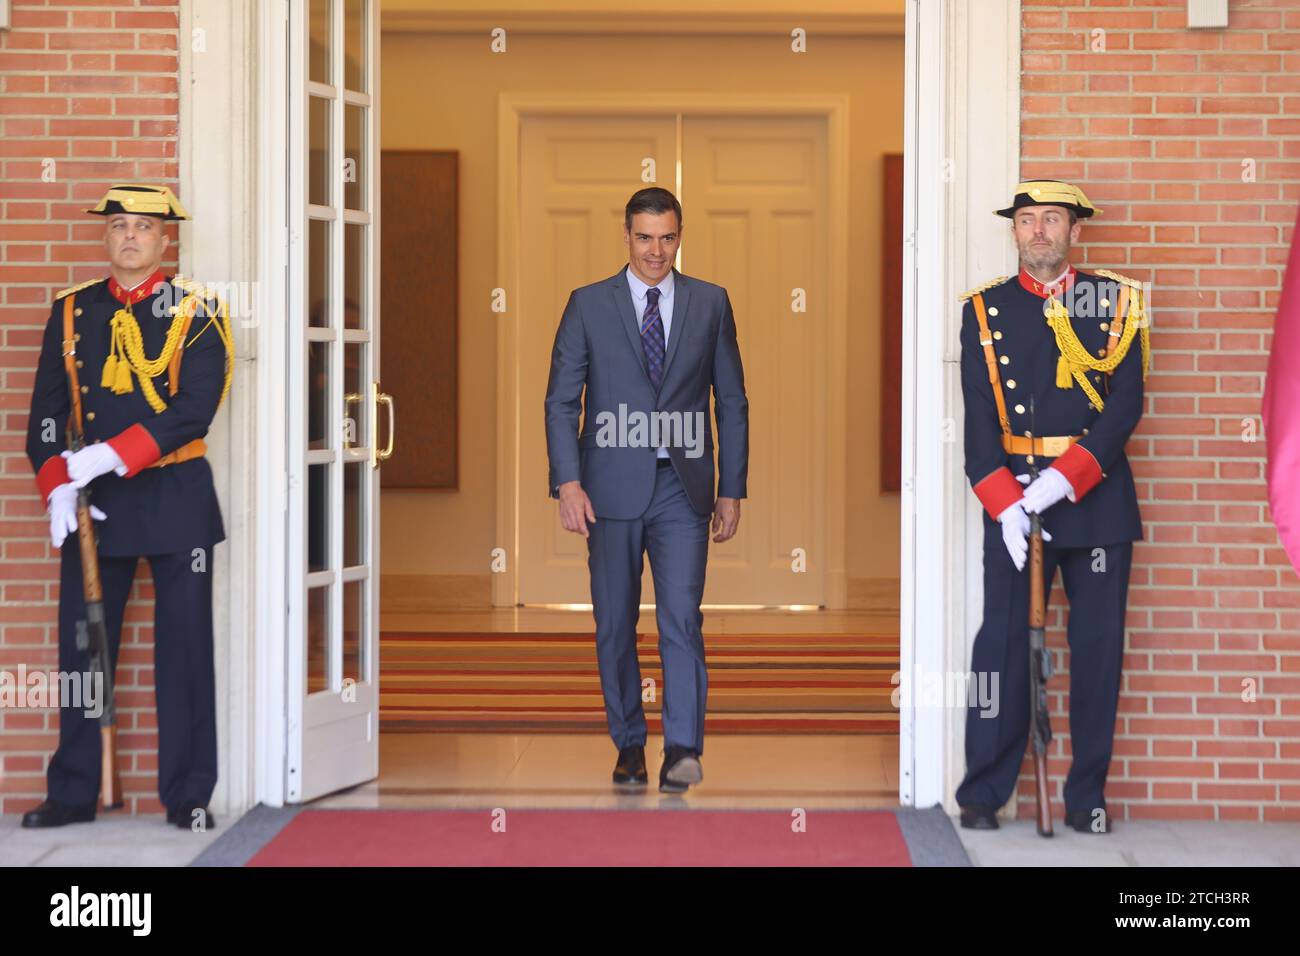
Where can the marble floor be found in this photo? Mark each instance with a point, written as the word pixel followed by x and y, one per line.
pixel 573 770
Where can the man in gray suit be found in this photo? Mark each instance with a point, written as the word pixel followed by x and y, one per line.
pixel 647 344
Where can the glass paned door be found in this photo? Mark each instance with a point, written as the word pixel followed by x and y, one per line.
pixel 334 412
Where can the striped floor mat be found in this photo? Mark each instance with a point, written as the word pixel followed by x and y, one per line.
pixel 758 683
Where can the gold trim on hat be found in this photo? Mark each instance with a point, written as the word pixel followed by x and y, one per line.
pixel 142 200
pixel 1048 193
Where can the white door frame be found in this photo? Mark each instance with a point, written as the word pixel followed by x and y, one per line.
pixel 234 95
pixel 231 150
pixel 959 67
pixel 234 140
pixel 512 110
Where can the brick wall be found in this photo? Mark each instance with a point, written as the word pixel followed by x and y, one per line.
pixel 1155 128
pixel 89 97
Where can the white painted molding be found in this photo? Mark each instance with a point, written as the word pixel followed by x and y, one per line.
pixel 957 173
pixel 217 185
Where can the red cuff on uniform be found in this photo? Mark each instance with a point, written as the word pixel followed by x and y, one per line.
pixel 999 491
pixel 52 474
pixel 137 449
pixel 1080 468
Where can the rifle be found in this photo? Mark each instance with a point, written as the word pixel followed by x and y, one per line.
pixel 1040 658
pixel 92 633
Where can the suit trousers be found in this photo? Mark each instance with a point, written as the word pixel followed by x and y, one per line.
pixel 1096 584
pixel 676 537
pixel 184 676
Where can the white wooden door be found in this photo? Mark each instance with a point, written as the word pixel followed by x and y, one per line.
pixel 753 191
pixel 334 413
pixel 576 174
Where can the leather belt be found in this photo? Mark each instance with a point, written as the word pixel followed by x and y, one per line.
pixel 194 449
pixel 1049 446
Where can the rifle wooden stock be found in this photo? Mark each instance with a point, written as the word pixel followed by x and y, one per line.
pixel 92 635
pixel 1039 671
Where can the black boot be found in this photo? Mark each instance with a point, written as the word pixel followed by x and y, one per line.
pixel 1089 821
pixel 976 817
pixel 52 814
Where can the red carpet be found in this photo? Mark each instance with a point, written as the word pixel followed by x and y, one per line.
pixel 586 838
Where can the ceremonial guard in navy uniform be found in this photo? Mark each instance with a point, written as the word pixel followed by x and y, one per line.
pixel 150 358
pixel 1051 379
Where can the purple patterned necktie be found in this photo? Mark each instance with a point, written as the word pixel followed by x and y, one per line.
pixel 652 338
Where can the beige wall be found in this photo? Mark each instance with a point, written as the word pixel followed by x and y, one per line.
pixel 440 92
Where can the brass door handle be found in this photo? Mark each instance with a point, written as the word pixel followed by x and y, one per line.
pixel 383 399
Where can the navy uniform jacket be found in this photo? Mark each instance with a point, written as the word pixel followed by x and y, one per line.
pixel 1106 510
pixel 150 510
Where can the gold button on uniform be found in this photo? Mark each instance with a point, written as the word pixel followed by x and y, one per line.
pixel 76 312
pixel 1085 431
pixel 997 335
pixel 1101 353
pixel 85 389
pixel 1004 360
pixel 1105 326
pixel 90 416
pixel 1029 459
pixel 1105 303
pixel 993 311
pixel 1011 383
pixel 80 363
pixel 1020 409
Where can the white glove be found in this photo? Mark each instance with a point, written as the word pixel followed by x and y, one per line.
pixel 1050 487
pixel 91 462
pixel 1015 533
pixel 63 513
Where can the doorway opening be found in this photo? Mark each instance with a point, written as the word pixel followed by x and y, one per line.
pixel 488 669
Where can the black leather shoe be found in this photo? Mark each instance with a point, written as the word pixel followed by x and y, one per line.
pixel 979 818
pixel 184 817
pixel 51 814
pixel 630 769
pixel 1089 821
pixel 681 768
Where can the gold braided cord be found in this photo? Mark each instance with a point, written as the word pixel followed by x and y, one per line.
pixel 127 356
pixel 1137 313
pixel 220 321
pixel 1076 361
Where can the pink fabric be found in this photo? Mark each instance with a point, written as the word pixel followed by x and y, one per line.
pixel 1282 411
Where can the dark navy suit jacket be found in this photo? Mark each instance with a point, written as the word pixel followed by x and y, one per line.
pixel 150 510
pixel 1105 512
